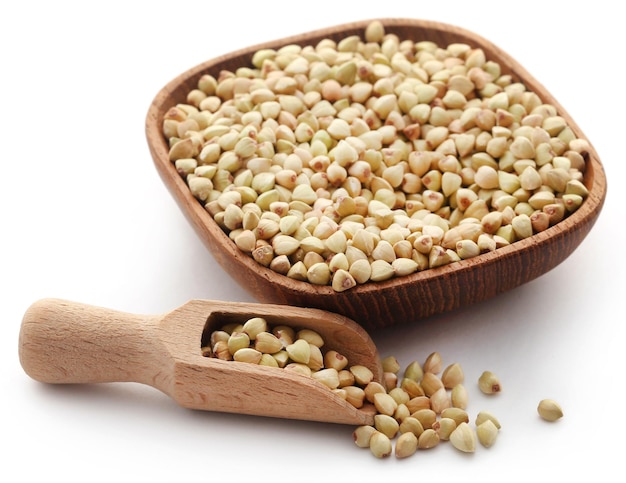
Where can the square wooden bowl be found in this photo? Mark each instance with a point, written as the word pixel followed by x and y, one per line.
pixel 403 299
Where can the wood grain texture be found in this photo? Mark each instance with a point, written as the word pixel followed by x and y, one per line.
pixel 65 342
pixel 401 300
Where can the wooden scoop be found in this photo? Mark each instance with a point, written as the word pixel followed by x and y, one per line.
pixel 67 342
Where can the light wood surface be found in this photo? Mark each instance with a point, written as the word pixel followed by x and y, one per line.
pixel 399 300
pixel 66 342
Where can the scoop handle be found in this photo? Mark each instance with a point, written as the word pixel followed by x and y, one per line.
pixel 68 342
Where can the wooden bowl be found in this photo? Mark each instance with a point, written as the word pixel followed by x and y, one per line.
pixel 402 299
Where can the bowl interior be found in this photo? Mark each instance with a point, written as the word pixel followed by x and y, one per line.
pixel 402 299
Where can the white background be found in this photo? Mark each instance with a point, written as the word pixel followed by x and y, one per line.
pixel 85 217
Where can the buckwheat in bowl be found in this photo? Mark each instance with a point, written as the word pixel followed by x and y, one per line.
pixel 387 169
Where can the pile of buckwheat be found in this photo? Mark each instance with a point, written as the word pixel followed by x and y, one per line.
pixel 418 407
pixel 374 157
